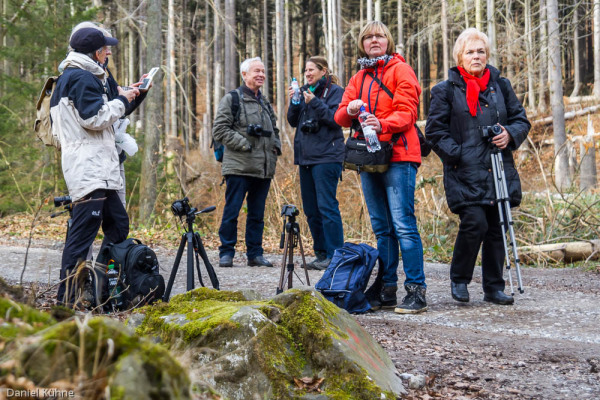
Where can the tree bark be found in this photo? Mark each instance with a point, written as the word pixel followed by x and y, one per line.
pixel 588 176
pixel 561 164
pixel 400 43
pixel 279 40
pixel 576 55
pixel 444 22
pixel 218 55
pixel 231 64
pixel 543 81
pixel 369 10
pixel 171 104
pixel 530 56
pixel 153 117
pixel 597 48
pixel 478 15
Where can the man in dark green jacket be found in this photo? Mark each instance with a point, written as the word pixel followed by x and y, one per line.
pixel 252 145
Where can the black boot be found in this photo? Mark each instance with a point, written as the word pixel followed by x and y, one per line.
pixel 388 297
pixel 414 302
pixel 498 297
pixel 373 293
pixel 459 292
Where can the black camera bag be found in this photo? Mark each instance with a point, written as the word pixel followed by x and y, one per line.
pixel 358 158
pixel 139 269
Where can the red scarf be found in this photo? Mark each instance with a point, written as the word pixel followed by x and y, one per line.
pixel 474 86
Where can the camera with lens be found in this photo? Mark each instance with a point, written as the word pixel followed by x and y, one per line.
pixel 181 207
pixel 290 210
pixel 488 132
pixel 254 130
pixel 62 201
pixel 310 126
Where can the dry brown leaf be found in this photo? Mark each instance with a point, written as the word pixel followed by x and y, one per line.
pixel 309 384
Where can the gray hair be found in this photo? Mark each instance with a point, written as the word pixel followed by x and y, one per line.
pixel 467 36
pixel 245 66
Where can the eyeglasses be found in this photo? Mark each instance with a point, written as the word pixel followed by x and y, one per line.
pixel 371 37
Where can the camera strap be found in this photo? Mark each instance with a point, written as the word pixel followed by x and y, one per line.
pixel 495 101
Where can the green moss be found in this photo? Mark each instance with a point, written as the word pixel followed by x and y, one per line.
pixel 29 320
pixel 352 384
pixel 204 310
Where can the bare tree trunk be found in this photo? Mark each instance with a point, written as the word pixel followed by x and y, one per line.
pixel 266 49
pixel 288 43
pixel 478 15
pixel 491 30
pixel 208 68
pixel 466 9
pixel 369 10
pixel 530 55
pixel 279 41
pixel 171 104
pixel 231 64
pixel 218 55
pixel 340 38
pixel 378 10
pixel 543 81
pixel 326 31
pixel 597 49
pixel 400 43
pixel 444 21
pixel 561 164
pixel 588 175
pixel 154 117
pixel 576 55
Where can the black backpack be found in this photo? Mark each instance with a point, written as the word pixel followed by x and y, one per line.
pixel 138 266
pixel 217 146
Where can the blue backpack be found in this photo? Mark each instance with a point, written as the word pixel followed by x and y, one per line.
pixel 347 276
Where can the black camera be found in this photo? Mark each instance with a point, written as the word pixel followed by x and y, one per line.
pixel 290 210
pixel 181 207
pixel 254 130
pixel 488 132
pixel 310 126
pixel 62 201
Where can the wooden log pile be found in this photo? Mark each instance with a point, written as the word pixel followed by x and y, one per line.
pixel 561 252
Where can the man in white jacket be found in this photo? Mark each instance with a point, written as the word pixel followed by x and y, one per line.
pixel 83 118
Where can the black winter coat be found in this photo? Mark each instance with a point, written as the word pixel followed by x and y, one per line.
pixel 326 145
pixel 457 139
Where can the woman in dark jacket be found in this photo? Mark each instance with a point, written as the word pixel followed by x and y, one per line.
pixel 319 152
pixel 463 110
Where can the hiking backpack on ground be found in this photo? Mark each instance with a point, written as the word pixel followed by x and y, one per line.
pixel 139 271
pixel 43 124
pixel 347 276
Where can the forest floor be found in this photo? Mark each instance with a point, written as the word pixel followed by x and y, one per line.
pixel 546 346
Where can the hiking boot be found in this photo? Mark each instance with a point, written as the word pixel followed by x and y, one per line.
pixel 459 292
pixel 414 302
pixel 259 261
pixel 498 297
pixel 388 297
pixel 226 261
pixel 320 257
pixel 319 265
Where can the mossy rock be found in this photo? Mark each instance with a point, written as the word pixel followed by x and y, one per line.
pixel 261 349
pixel 101 355
pixel 19 320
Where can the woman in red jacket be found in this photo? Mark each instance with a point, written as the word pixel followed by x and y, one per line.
pixel 389 90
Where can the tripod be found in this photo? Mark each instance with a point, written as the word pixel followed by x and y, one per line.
pixel 506 220
pixel 196 248
pixel 290 238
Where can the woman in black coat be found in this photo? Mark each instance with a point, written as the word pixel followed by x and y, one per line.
pixel 319 153
pixel 463 110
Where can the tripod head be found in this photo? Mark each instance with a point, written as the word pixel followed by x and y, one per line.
pixel 182 208
pixel 289 212
pixel 65 202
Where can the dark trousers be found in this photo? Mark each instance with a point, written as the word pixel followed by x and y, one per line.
pixel 99 208
pixel 318 186
pixel 256 190
pixel 479 224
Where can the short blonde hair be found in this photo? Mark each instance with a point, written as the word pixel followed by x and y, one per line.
pixel 467 36
pixel 375 27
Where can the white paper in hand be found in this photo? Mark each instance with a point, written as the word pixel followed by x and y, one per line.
pixel 123 140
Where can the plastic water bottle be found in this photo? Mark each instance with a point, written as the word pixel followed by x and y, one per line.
pixel 114 288
pixel 296 98
pixel 369 133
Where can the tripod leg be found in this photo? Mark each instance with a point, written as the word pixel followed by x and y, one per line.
pixel 190 261
pixel 209 268
pixel 290 265
pixel 198 267
pixel 303 260
pixel 282 275
pixel 174 270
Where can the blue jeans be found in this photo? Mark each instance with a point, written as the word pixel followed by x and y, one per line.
pixel 237 188
pixel 318 185
pixel 390 198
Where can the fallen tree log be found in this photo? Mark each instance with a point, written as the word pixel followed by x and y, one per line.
pixel 560 252
pixel 568 115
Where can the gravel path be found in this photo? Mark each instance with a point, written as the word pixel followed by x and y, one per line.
pixel 546 346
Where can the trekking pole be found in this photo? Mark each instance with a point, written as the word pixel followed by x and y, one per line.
pixel 506 221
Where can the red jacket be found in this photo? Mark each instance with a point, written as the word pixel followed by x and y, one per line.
pixel 395 115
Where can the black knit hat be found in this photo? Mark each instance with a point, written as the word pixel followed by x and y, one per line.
pixel 87 40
